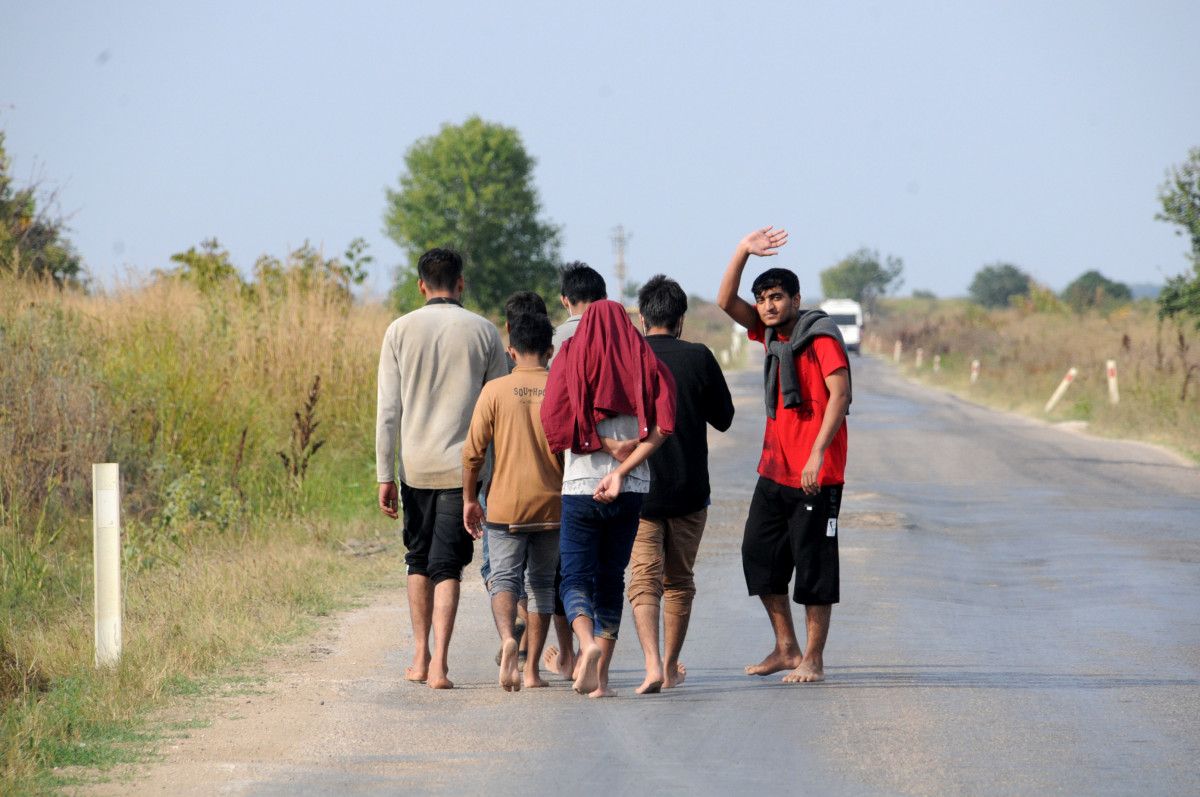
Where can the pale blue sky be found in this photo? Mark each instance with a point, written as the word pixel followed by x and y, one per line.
pixel 952 134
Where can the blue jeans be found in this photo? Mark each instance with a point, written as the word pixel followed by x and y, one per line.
pixel 594 544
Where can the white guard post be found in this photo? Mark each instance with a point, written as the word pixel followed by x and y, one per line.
pixel 974 371
pixel 897 350
pixel 106 534
pixel 920 358
pixel 1110 368
pixel 1062 388
pixel 937 363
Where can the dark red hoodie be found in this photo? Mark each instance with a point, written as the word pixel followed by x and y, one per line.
pixel 606 368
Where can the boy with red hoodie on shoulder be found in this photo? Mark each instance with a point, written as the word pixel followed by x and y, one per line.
pixel 605 386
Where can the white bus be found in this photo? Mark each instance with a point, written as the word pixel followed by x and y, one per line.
pixel 848 315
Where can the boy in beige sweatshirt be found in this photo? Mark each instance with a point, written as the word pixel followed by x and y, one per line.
pixel 433 363
pixel 524 497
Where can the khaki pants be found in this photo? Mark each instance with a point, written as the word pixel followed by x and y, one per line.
pixel 664 554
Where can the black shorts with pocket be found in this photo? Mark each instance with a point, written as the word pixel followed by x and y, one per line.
pixel 790 532
pixel 438 545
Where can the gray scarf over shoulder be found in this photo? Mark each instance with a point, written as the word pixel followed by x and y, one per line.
pixel 780 365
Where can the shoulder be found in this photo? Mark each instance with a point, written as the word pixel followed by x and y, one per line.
pixel 463 319
pixel 684 351
pixel 758 332
pixel 829 352
pixel 494 388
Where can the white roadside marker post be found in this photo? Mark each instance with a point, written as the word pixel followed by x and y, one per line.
pixel 897 350
pixel 1062 388
pixel 920 358
pixel 974 371
pixel 937 363
pixel 1114 397
pixel 106 540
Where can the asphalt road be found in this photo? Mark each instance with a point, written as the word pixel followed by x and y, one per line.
pixel 1021 615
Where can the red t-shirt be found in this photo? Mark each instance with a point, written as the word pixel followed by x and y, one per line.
pixel 789 436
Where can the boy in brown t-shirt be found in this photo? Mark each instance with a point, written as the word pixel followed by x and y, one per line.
pixel 524 500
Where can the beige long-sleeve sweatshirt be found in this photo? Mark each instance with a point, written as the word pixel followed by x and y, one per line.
pixel 433 364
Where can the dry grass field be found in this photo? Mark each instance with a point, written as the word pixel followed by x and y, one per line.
pixel 226 548
pixel 1025 351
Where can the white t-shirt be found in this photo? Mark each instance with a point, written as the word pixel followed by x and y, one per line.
pixel 582 472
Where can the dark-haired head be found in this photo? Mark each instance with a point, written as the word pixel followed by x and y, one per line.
pixel 523 302
pixel 440 269
pixel 662 303
pixel 781 278
pixel 530 333
pixel 581 283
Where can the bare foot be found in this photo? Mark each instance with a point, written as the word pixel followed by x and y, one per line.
pixel 809 672
pixel 419 670
pixel 534 680
pixel 510 679
pixel 654 680
pixel 603 691
pixel 774 662
pixel 559 663
pixel 674 676
pixel 587 676
pixel 437 676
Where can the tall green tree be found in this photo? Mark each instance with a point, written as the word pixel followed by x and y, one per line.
pixel 997 284
pixel 1179 301
pixel 1092 289
pixel 470 187
pixel 32 240
pixel 862 276
pixel 1180 199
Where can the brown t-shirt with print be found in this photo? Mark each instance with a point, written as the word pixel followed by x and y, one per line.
pixel 525 492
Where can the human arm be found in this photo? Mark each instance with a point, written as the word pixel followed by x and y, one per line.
pixel 479 436
pixel 388 412
pixel 838 384
pixel 762 243
pixel 389 499
pixel 472 509
pixel 618 449
pixel 610 486
pixel 718 403
pixel 498 364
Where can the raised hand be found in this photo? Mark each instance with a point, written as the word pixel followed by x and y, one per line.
pixel 765 241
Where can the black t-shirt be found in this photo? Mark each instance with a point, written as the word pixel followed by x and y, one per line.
pixel 679 469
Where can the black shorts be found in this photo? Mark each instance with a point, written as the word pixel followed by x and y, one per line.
pixel 788 531
pixel 438 545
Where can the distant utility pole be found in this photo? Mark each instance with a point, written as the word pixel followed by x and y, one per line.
pixel 620 240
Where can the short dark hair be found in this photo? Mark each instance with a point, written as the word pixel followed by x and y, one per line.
pixel 582 283
pixel 440 269
pixel 530 333
pixel 662 302
pixel 523 302
pixel 776 278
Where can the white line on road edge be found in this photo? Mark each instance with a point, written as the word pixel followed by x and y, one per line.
pixel 1110 368
pixel 106 540
pixel 1062 388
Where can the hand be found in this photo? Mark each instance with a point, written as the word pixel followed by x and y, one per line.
pixel 473 519
pixel 618 449
pixel 764 242
pixel 609 488
pixel 389 499
pixel 812 469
